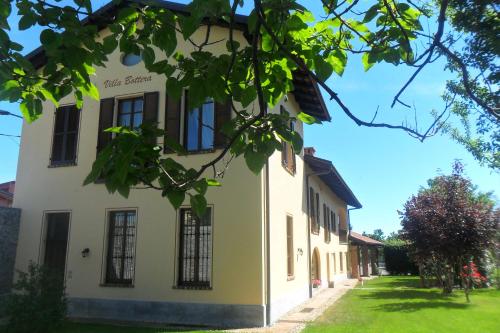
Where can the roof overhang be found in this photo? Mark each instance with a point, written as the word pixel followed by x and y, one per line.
pixel 331 177
pixel 306 90
pixel 363 240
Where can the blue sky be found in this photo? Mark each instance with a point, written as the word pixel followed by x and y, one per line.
pixel 383 167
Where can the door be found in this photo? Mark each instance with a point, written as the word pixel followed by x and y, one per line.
pixel 56 242
pixel 315 268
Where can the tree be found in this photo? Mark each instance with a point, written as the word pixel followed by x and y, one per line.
pixel 448 224
pixel 284 38
pixel 377 234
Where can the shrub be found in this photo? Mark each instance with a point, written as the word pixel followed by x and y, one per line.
pixel 397 261
pixel 38 302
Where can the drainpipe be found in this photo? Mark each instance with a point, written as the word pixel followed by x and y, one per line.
pixel 348 232
pixel 267 245
pixel 309 264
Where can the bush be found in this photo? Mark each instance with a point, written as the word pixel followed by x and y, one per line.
pixel 38 302
pixel 397 261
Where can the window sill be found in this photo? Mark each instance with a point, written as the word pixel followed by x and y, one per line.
pixel 291 172
pixel 61 165
pixel 290 277
pixel 116 285
pixel 315 232
pixel 192 287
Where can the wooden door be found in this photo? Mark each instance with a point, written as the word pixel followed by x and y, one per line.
pixel 56 242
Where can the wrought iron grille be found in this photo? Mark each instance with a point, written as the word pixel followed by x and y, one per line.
pixel 121 248
pixel 195 253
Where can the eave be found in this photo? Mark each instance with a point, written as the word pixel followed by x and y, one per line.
pixel 306 91
pixel 331 177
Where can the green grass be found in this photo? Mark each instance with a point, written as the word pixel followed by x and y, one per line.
pixel 396 304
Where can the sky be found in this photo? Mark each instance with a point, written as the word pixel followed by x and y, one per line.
pixel 383 167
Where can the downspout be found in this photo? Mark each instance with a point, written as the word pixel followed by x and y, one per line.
pixel 348 243
pixel 309 252
pixel 267 245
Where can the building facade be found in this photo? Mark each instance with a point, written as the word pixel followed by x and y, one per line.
pixel 266 244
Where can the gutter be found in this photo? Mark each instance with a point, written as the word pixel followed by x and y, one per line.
pixel 267 245
pixel 309 259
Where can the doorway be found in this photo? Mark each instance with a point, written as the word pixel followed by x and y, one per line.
pixel 56 242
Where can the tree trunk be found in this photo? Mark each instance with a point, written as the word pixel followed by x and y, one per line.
pixel 448 280
pixel 422 276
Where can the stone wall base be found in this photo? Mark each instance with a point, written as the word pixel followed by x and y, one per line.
pixel 176 313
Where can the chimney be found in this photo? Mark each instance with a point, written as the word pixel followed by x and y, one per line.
pixel 309 151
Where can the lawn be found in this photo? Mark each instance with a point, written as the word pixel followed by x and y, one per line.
pixel 396 304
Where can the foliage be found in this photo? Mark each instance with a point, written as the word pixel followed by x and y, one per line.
pixel 283 38
pixel 38 303
pixel 395 304
pixel 448 223
pixel 377 234
pixel 476 27
pixel 397 260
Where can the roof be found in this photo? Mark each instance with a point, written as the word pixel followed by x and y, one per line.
pixel 306 90
pixel 331 177
pixel 358 238
pixel 6 195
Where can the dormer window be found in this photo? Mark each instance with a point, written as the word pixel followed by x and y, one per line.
pixel 131 59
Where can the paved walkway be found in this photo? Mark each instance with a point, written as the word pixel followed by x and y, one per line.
pixel 295 320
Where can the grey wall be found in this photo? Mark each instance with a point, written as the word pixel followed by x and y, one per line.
pixel 9 231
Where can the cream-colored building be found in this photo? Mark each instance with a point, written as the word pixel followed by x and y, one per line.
pixel 267 243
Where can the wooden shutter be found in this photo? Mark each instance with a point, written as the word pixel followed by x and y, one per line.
pixel 105 121
pixel 172 120
pixel 222 116
pixel 150 112
pixel 289 246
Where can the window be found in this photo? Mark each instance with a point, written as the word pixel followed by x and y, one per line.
pixel 121 247
pixel 287 153
pixel 130 112
pixel 318 212
pixel 65 137
pixel 199 127
pixel 312 212
pixel 131 59
pixel 341 262
pixel 326 213
pixel 333 221
pixel 195 250
pixel 289 246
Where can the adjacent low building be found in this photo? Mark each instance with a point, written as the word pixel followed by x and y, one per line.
pixel 365 254
pixel 7 193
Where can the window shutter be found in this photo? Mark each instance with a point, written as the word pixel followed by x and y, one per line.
pixel 172 120
pixel 105 121
pixel 150 112
pixel 222 116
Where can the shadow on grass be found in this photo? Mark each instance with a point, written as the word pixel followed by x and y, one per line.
pixel 417 306
pixel 411 294
pixel 402 282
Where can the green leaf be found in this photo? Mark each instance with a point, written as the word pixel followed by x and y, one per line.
pixel 307 119
pixel 371 13
pixel 198 204
pixel 109 44
pixel 26 22
pixel 213 182
pixel 176 197
pixel 201 186
pixel 255 160
pixel 367 64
